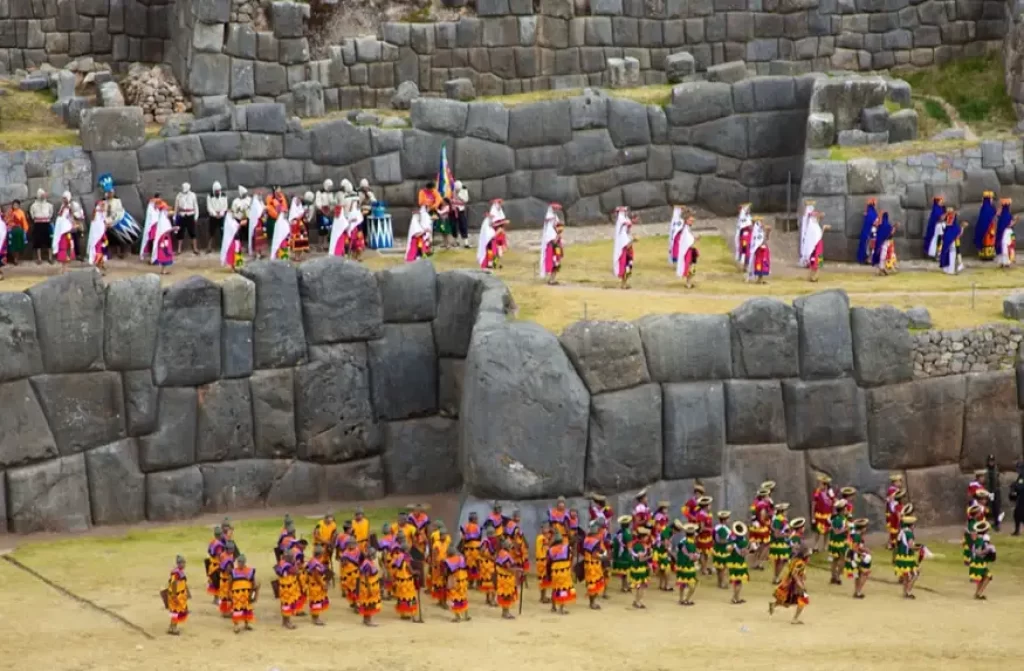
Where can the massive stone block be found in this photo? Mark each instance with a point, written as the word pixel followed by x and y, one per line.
pixel 236 348
pixel 225 423
pixel 754 412
pixel 746 467
pixel 607 355
pixel 297 483
pixel 918 423
pixel 174 495
pixel 764 339
pixel 117 488
pixel 627 123
pixel 449 386
pixel 334 420
pixel 69 321
pixel 823 413
pixel 237 485
pixel 173 444
pixel 882 346
pixel 340 301
pixel 624 448
pixel 20 355
pixel 140 401
pixel 686 347
pixel 278 335
pixel 481 159
pixel 355 481
pixel 849 465
pixel 188 342
pixel 826 341
pixel 542 123
pixel 112 128
pixel 933 492
pixel 403 367
pixel 456 312
pixel 132 322
pixel 992 422
pixel 439 115
pixel 26 437
pixel 694 424
pixel 408 292
pixel 518 385
pixel 421 456
pixel 83 411
pixel 340 143
pixel 53 496
pixel 273 408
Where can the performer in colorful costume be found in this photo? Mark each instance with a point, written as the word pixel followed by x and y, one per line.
pixel 884 256
pixel 178 595
pixel 736 561
pixel 866 248
pixel 983 555
pixel 559 572
pixel 780 549
pixel 551 248
pixel 493 241
pixel 760 266
pixel 720 558
pixel 858 557
pixel 741 244
pixel 838 541
pixel 985 228
pixel 593 564
pixel 933 231
pixel 792 590
pixel 686 249
pixel 907 564
pixel 686 560
pixel 418 243
pixel 822 499
pixel 622 253
pixel 244 591
pixel 949 259
pixel 812 241
pixel 317 575
pixel 506 580
pixel 1006 239
pixel 640 571
pixel 457 585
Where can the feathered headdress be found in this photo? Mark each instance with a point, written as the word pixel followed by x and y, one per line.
pixel 106 182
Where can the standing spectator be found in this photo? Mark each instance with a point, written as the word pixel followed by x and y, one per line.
pixel 216 210
pixel 460 200
pixel 41 212
pixel 17 232
pixel 1017 496
pixel 186 207
pixel 995 495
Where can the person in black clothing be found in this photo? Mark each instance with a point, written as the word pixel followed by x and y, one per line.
pixel 995 495
pixel 1017 495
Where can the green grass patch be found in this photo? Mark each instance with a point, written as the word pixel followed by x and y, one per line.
pixel 419 15
pixel 936 111
pixel 892 106
pixel 26 121
pixel 884 152
pixel 975 87
pixel 656 94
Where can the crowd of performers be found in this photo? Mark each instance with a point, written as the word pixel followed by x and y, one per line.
pixel 415 560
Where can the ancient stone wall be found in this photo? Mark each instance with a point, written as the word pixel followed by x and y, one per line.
pixel 33 32
pixel 22 173
pixel 283 386
pixel 989 348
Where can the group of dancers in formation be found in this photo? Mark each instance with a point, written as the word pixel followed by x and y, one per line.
pixel 994 237
pixel 415 559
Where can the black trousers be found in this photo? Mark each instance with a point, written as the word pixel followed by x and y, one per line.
pixel 186 224
pixel 1018 518
pixel 216 229
pixel 461 224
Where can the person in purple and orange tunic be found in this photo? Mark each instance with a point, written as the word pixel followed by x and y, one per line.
pixel 470 538
pixel 177 596
pixel 316 573
pixel 488 553
pixel 211 563
pixel 760 253
pixel 593 564
pixel 558 569
pixel 289 592
pixel 403 582
pixel 225 565
pixel 244 590
pixel 457 585
pixel 369 588
pixel 506 579
pixel 348 568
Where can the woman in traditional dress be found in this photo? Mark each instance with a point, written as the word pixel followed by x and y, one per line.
pixel 741 244
pixel 812 243
pixel 301 216
pixel 163 249
pixel 593 565
pixel 3 244
pixel 760 253
pixel 779 550
pixel 949 259
pixel 506 582
pixel 686 249
pixel 96 244
pixel 551 247
pixel 858 557
pixel 178 595
pixel 640 571
pixel 1006 239
pixel 792 590
pixel 354 232
pixel 736 561
pixel 933 231
pixel 62 247
pixel 622 253
pixel 884 256
pixel 907 561
pixel 675 227
pixel 417 245
pixel 983 554
pixel 369 600
pixel 686 560
pixel 985 228
pixel 17 232
pixel 866 247
pixel 443 224
pixel 493 240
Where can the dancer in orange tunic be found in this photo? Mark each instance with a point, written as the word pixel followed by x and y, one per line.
pixel 470 539
pixel 792 591
pixel 593 564
pixel 457 587
pixel 316 581
pixel 403 583
pixel 369 588
pixel 177 596
pixel 244 590
pixel 488 554
pixel 559 572
pixel 506 582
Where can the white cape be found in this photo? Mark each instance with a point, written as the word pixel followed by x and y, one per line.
pixel 163 226
pixel 549 234
pixel 757 239
pixel 418 225
pixel 622 239
pixel 3 235
pixel 686 241
pixel 255 212
pixel 338 228
pixel 282 229
pixel 230 231
pixel 61 228
pixel 674 227
pixel 804 255
pixel 933 244
pixel 742 221
pixel 97 228
pixel 151 218
pixel 810 236
pixel 486 235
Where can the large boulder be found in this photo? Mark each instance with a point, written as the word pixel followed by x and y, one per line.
pixel 764 339
pixel 456 312
pixel 421 456
pixel 334 419
pixel 826 341
pixel 238 298
pixel 236 348
pixel 297 483
pixel 340 143
pixel 624 448
pixel 849 465
pixel 278 336
pixel 882 346
pixel 26 437
pixel 361 480
pixel 174 495
pixel 408 293
pixel 340 301
pixel 173 444
pixel 225 425
pixel 112 128
pixel 69 321
pixel 747 466
pixel 52 496
pixel 140 401
pixel 918 423
pixel 117 487
pixel 132 322
pixel 188 344
pixel 933 491
pixel 754 412
pixel 681 348
pixel 20 355
pixel 450 373
pixel 992 421
pixel 608 355
pixel 84 410
pixel 238 485
pixel 823 413
pixel 273 413
pixel 694 425
pixel 403 367
pixel 541 123
pixel 845 97
pixel 524 416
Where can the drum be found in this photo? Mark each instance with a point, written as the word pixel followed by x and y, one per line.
pixel 381 235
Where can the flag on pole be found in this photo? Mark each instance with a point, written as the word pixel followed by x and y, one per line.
pixel 445 178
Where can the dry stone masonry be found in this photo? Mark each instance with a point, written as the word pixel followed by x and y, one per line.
pixel 988 348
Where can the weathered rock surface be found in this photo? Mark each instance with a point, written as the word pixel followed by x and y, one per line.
pixel 117 487
pixel 84 410
pixel 823 413
pixel 403 365
pixel 882 347
pixel 69 321
pixel 173 444
pixel 225 424
pixel 421 456
pixel 297 483
pixel 408 293
pixel 746 467
pixel 132 322
pixel 681 348
pixel 140 401
pixel 624 447
pixel 754 412
pixel 26 436
pixel 20 354
pixel 826 341
pixel 52 496
pixel 930 490
pixel 608 355
pixel 992 421
pixel 278 336
pixel 174 495
pixel 361 480
pixel 449 386
pixel 340 301
pixel 189 334
pixel 764 339
pixel 456 312
pixel 849 465
pixel 694 425
pixel 273 408
pixel 916 424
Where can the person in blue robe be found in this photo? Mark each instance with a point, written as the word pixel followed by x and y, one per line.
pixel 867 232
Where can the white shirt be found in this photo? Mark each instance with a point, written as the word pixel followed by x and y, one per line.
pixel 240 208
pixel 324 200
pixel 186 204
pixel 77 213
pixel 217 206
pixel 115 209
pixel 41 210
pixel 462 196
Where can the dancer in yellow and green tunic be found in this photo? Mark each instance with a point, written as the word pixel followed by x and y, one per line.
pixel 177 596
pixel 780 549
pixel 906 564
pixel 975 514
pixel 640 571
pixel 983 553
pixel 687 559
pixel 662 556
pixel 792 590
pixel 838 540
pixel 858 557
pixel 721 551
pixel 621 559
pixel 736 561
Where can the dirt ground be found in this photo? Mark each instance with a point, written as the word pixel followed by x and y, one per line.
pixel 123 571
